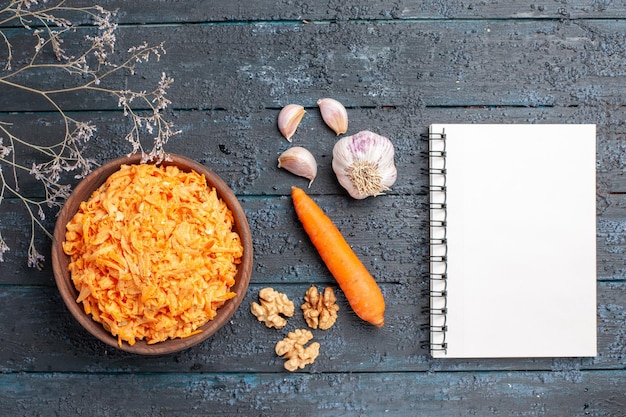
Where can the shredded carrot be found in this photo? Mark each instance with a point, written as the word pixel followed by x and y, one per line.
pixel 153 253
pixel 358 285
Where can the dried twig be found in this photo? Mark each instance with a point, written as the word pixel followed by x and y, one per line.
pixel 93 65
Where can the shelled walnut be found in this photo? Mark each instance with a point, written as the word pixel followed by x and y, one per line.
pixel 270 307
pixel 320 311
pixel 292 348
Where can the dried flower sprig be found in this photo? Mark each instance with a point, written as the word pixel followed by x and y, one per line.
pixel 89 70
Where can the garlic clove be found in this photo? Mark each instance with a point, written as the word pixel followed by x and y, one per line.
pixel 334 114
pixel 364 164
pixel 289 118
pixel 299 161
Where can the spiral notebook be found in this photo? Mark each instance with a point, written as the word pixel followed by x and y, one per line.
pixel 512 240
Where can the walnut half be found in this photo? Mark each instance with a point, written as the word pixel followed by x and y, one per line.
pixel 270 307
pixel 320 310
pixel 292 348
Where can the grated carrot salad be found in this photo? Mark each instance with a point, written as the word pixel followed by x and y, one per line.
pixel 152 253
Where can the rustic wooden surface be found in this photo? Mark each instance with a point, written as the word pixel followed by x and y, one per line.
pixel 398 66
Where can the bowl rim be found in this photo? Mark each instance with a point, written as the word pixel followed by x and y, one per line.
pixel 60 260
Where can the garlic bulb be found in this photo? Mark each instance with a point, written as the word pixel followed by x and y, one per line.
pixel 334 114
pixel 289 118
pixel 364 164
pixel 299 161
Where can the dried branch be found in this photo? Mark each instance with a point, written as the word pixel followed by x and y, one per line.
pixel 88 69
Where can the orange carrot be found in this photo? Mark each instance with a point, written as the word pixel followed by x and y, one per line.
pixel 355 281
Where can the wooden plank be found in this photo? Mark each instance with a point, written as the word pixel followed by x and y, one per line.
pixel 611 242
pixel 394 246
pixel 15 229
pixel 244 68
pixel 391 247
pixel 244 149
pixel 38 334
pixel 158 11
pixel 570 392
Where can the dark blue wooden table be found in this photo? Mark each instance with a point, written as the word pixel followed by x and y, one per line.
pixel 397 66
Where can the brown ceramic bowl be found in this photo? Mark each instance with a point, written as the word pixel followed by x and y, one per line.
pixel 60 260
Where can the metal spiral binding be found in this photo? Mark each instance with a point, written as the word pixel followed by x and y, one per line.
pixel 438 242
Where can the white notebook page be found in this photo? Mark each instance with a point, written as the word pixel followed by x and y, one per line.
pixel 521 240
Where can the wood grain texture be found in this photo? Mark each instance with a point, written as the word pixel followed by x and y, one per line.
pixel 246 67
pixel 198 11
pixel 567 393
pixel 283 253
pixel 45 338
pixel 244 150
pixel 398 66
